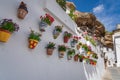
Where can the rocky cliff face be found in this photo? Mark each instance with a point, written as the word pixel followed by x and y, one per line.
pixel 87 21
pixel 107 40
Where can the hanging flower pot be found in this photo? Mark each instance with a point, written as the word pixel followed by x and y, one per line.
pixel 33 39
pixel 70 54
pixel 42 26
pixel 79 45
pixel 95 56
pixel 57 31
pixel 45 21
pixel 7 27
pixel 22 10
pixel 86 60
pixel 62 50
pixel 81 57
pixel 50 47
pixel 4 35
pixel 76 58
pixel 67 36
pixel 32 43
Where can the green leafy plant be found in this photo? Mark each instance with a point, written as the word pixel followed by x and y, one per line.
pixel 8 24
pixel 80 43
pixel 71 14
pixel 62 48
pixel 34 35
pixel 47 18
pixel 71 52
pixel 94 55
pixel 59 28
pixel 66 34
pixel 51 45
pixel 85 47
pixel 62 3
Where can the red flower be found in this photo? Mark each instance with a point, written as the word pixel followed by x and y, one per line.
pixel 50 17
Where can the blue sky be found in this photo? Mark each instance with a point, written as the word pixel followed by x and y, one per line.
pixel 106 11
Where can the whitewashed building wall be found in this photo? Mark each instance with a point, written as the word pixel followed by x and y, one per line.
pixel 18 62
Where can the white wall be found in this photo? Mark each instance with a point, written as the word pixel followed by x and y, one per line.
pixel 18 62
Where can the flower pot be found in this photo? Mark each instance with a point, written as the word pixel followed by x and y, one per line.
pixel 61 54
pixel 76 58
pixel 69 57
pixel 4 35
pixel 49 51
pixel 22 13
pixel 32 43
pixel 22 10
pixel 66 39
pixel 81 59
pixel 78 47
pixel 88 53
pixel 42 26
pixel 73 43
pixel 55 34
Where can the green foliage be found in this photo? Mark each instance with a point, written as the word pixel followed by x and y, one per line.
pixel 66 34
pixel 85 47
pixel 62 3
pixel 47 20
pixel 71 52
pixel 35 36
pixel 59 28
pixel 92 41
pixel 51 45
pixel 71 14
pixel 7 24
pixel 94 55
pixel 81 56
pixel 62 48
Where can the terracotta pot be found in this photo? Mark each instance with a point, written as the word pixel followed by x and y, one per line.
pixel 22 13
pixel 61 54
pixel 66 39
pixel 78 47
pixel 76 58
pixel 49 51
pixel 4 35
pixel 32 43
pixel 81 60
pixel 22 10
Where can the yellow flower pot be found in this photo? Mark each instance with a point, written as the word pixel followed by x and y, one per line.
pixel 32 43
pixel 4 35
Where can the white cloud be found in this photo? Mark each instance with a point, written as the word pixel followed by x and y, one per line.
pixel 98 8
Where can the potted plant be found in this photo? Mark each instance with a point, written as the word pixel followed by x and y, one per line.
pixel 76 57
pixel 79 45
pixel 74 41
pixel 33 39
pixel 93 62
pixel 22 10
pixel 81 57
pixel 57 31
pixel 50 47
pixel 70 54
pixel 94 55
pixel 62 49
pixel 86 60
pixel 62 3
pixel 86 48
pixel 7 27
pixel 45 21
pixel 67 36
